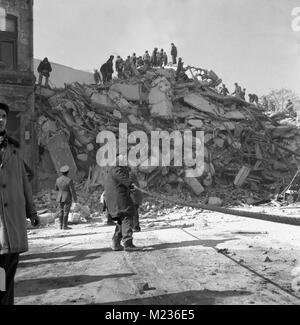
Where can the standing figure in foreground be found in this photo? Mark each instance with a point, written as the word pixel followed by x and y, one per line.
pixel 16 204
pixel 66 195
pixel 44 69
pixel 120 206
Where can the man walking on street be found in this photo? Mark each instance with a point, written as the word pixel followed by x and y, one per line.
pixel 16 204
pixel 66 195
pixel 120 205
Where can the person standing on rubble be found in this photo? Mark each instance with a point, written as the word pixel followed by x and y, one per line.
pixel 120 205
pixel 238 90
pixel 66 195
pixel 120 66
pixel 44 69
pixel 224 90
pixel 174 53
pixel 265 104
pixel 253 98
pixel 154 58
pixel 140 62
pixel 107 70
pixel 17 204
pixel 165 58
pixel 133 60
pixel 290 108
pixel 110 68
pixel 146 58
pixel 180 69
pixel 97 77
pixel 127 67
pixel 160 56
pixel 243 94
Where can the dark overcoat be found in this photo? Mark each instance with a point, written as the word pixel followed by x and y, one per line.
pixel 16 203
pixel 117 192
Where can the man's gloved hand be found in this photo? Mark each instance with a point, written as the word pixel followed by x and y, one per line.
pixel 35 220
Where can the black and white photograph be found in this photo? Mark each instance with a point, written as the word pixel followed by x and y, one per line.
pixel 149 155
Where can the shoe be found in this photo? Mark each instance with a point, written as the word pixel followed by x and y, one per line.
pixel 66 228
pixel 117 247
pixel 129 247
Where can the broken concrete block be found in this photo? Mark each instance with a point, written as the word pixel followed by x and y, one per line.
pixel 280 166
pixel 102 101
pixel 199 102
pixel 46 219
pixel 56 100
pixel 117 98
pixel 196 123
pixel 219 142
pixel 195 185
pixel 223 126
pixel 281 130
pixel 160 98
pixel 235 115
pixel 69 119
pixel 215 201
pixel 242 176
pixel 117 114
pixel 208 137
pixel 129 92
pixel 69 105
pixel 49 126
pixel 44 92
pixel 61 154
pixel 74 218
pixel 132 119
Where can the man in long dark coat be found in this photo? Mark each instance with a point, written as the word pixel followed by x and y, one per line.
pixel 16 204
pixel 120 206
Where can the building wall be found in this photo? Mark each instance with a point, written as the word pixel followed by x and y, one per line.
pixel 17 82
pixel 62 74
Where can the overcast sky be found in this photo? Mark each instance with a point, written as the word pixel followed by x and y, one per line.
pixel 248 41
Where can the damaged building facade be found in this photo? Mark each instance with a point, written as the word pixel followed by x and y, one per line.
pixel 17 80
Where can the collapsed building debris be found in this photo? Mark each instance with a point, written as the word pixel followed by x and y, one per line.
pixel 249 156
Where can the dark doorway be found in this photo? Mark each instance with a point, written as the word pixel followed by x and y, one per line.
pixel 14 126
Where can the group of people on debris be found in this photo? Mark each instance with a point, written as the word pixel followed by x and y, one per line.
pixel 239 93
pixel 126 68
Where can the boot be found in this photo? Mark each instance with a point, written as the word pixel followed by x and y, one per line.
pixel 116 245
pixel 65 224
pixel 61 222
pixel 129 247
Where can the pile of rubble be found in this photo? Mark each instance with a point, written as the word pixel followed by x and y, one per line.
pixel 248 155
